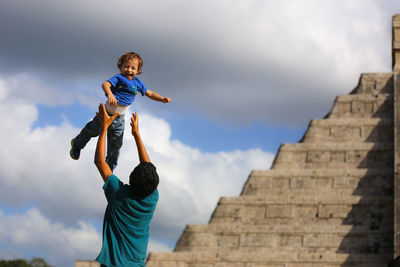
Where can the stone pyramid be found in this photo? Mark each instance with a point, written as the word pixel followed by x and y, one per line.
pixel 328 200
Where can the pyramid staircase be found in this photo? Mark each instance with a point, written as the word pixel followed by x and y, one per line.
pixel 326 201
pixel 330 200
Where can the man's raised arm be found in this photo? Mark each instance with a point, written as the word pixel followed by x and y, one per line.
pixel 143 157
pixel 99 156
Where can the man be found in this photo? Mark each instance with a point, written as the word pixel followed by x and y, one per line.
pixel 130 207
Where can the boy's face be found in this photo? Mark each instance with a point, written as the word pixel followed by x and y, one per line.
pixel 130 68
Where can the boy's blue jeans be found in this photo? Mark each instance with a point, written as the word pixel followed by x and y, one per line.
pixel 115 135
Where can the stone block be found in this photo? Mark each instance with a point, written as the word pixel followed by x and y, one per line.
pixel 334 211
pixel 341 108
pixel 355 156
pixel 271 240
pixel 363 107
pixel 309 264
pixel 345 182
pixel 319 131
pixel 265 265
pixel 197 239
pixel 322 240
pixel 303 211
pixel 318 157
pixel 280 183
pixel 291 241
pixel 301 183
pixel 279 211
pixel 345 131
pixel 226 211
pixel 228 241
pixel 239 211
pixel 337 156
pixel 230 264
pixel 259 240
pixel 323 183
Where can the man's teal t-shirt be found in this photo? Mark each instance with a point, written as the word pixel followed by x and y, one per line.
pixel 126 225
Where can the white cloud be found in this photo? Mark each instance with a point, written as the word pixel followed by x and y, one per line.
pixel 32 232
pixel 155 246
pixel 27 87
pixel 66 195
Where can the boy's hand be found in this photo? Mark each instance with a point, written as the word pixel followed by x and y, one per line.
pixel 135 124
pixel 103 117
pixel 112 100
pixel 166 100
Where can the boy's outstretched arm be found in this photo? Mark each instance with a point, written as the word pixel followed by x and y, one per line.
pixel 154 96
pixel 143 157
pixel 99 156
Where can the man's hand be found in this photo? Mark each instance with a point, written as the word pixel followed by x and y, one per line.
pixel 105 120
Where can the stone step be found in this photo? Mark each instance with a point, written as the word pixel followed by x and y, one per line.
pixel 270 257
pixel 338 238
pixel 349 129
pixel 375 221
pixel 324 228
pixel 288 208
pixel 374 83
pixel 334 155
pixel 356 181
pixel 362 106
pixel 322 198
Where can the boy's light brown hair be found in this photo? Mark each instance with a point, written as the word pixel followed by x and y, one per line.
pixel 128 56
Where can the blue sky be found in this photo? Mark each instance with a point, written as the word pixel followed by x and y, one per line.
pixel 207 135
pixel 244 76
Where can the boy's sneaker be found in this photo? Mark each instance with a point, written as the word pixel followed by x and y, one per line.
pixel 74 153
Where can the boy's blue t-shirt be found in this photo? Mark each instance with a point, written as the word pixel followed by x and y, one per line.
pixel 125 90
pixel 126 225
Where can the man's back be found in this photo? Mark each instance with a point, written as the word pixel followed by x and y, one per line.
pixel 126 225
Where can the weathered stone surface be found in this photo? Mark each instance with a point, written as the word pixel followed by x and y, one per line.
pixel 362 106
pixel 273 257
pixel 346 130
pixel 396 43
pixel 334 155
pixel 304 181
pixel 374 84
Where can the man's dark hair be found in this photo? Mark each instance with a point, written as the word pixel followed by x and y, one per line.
pixel 144 179
pixel 395 262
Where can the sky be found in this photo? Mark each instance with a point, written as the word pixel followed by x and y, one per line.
pixel 244 77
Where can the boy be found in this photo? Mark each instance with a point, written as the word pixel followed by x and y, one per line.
pixel 130 207
pixel 120 91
